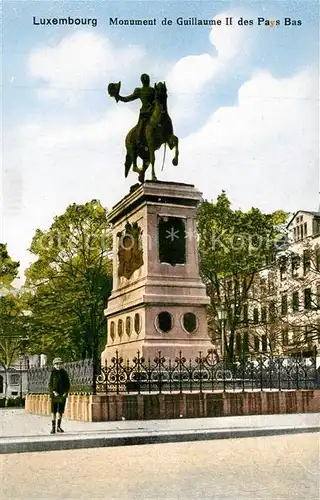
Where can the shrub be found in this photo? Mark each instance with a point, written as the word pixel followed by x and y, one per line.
pixel 13 402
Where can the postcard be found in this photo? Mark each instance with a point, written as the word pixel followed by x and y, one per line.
pixel 100 98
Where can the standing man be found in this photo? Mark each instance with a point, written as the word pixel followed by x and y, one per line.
pixel 59 386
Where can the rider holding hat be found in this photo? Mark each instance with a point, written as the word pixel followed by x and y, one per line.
pixel 146 94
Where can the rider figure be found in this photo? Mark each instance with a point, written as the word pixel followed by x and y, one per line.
pixel 146 94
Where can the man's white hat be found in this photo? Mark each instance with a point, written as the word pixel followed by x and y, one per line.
pixel 56 360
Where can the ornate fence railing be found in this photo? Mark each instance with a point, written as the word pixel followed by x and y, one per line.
pixel 80 374
pixel 205 374
pixel 202 374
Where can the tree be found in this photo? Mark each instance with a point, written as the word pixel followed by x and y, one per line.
pixel 14 332
pixel 234 246
pixel 12 323
pixel 8 268
pixel 70 282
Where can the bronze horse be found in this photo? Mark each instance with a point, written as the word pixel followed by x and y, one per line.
pixel 158 130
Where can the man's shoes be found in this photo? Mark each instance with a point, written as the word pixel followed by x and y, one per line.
pixel 53 431
pixel 59 429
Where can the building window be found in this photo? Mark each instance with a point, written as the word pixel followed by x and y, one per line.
pixel 295 233
pixel 306 261
pixel 256 315
pixel 295 263
pixel 245 314
pixel 120 328
pixel 285 336
pixel 172 240
pixel 128 325
pixel 283 269
pixel 295 301
pixel 15 379
pixel 307 298
pixel 264 342
pixel 256 343
pixel 316 226
pixel 164 321
pixel 272 311
pixel 305 229
pixel 263 314
pixel 112 330
pixel 246 347
pixel 137 323
pixel 190 322
pixel 284 304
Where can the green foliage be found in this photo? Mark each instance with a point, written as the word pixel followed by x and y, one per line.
pixel 8 268
pixel 12 402
pixel 70 282
pixel 234 246
pixel 14 329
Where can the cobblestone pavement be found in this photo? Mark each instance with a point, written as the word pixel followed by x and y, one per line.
pixel 275 468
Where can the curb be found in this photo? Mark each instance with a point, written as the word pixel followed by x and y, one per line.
pixel 44 443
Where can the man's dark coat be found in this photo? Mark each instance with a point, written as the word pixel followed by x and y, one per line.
pixel 59 382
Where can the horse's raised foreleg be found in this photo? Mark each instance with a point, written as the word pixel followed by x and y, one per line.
pixel 173 142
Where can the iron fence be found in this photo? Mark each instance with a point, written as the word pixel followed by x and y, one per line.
pixel 205 374
pixel 80 374
pixel 202 374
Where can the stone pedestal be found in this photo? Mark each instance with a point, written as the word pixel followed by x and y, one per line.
pixel 158 301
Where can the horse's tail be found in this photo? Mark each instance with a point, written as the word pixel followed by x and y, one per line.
pixel 127 164
pixel 164 155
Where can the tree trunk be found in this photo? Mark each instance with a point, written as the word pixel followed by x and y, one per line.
pixel 6 383
pixel 230 347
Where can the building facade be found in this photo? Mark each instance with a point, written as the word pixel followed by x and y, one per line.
pixel 282 312
pixel 14 383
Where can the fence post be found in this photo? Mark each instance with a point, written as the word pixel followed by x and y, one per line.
pixel 159 373
pixel 180 381
pixel 106 374
pixel 200 372
pixel 279 374
pixel 117 372
pixel 244 364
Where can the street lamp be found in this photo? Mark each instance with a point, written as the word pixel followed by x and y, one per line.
pixel 222 317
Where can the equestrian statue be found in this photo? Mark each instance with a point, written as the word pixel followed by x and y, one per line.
pixel 154 127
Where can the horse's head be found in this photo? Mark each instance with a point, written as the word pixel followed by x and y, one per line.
pixel 161 92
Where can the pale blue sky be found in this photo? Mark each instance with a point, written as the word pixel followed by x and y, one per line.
pixel 243 101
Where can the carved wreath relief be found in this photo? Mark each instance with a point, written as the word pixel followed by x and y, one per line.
pixel 130 252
